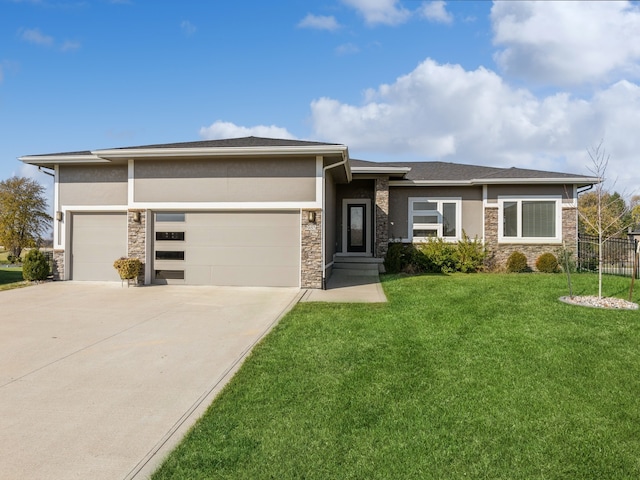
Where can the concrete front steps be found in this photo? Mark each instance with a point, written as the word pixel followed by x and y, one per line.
pixel 358 266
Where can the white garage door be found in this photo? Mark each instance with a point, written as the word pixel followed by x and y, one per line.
pixel 97 240
pixel 227 248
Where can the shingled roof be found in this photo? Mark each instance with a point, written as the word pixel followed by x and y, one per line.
pixel 457 172
pixel 242 142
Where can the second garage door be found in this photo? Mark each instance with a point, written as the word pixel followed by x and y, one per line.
pixel 227 248
pixel 97 240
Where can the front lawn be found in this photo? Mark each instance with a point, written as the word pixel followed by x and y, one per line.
pixel 11 277
pixel 460 376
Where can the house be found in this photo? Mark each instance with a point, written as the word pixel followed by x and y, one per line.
pixel 270 212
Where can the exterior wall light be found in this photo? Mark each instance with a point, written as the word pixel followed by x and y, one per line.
pixel 312 217
pixel 59 216
pixel 136 217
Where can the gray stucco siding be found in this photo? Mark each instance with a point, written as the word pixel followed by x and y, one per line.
pixel 399 207
pixel 565 191
pixel 226 180
pixel 92 185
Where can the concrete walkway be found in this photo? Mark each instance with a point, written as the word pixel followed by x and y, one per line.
pixel 349 286
pixel 101 382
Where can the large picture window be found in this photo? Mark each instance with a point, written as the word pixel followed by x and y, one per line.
pixel 434 218
pixel 530 220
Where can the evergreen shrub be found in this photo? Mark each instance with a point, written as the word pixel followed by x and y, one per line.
pixel 517 263
pixel 35 266
pixel 547 263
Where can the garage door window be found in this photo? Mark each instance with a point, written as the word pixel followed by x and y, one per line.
pixel 169 255
pixel 169 274
pixel 170 236
pixel 170 217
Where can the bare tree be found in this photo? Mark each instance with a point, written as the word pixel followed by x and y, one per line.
pixel 606 218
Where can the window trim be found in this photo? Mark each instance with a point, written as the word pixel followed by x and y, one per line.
pixel 430 226
pixel 518 199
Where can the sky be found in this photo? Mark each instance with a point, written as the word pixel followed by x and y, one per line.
pixel 508 84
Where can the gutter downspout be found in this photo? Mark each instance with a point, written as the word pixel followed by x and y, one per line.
pixel 345 159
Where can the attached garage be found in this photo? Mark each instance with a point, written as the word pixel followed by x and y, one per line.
pixel 253 248
pixel 97 240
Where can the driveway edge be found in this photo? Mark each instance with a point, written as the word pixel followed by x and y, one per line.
pixel 152 460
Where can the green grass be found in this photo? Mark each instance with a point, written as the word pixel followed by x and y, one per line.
pixel 461 376
pixel 11 277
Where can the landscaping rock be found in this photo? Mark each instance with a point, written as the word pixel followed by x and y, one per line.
pixel 604 302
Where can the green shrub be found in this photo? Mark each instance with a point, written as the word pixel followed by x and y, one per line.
pixel 547 263
pixel 12 258
pixel 517 263
pixel 436 256
pixel 35 266
pixel 394 260
pixel 128 268
pixel 470 254
pixel 439 256
pixel 566 260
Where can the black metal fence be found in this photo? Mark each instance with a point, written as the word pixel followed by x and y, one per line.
pixel 617 255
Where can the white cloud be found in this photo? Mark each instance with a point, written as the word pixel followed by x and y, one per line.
pixel 445 112
pixel 188 28
pixel 347 49
pixel 69 45
pixel 36 37
pixel 386 12
pixel 567 43
pixel 319 22
pixel 220 129
pixel 436 12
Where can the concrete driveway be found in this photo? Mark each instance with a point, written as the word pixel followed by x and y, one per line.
pixel 99 381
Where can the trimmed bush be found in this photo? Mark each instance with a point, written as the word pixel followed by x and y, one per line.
pixel 517 263
pixel 128 268
pixel 35 266
pixel 547 263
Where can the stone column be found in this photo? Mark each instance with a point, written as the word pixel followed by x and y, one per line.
pixel 311 261
pixel 382 217
pixel 137 235
pixel 58 265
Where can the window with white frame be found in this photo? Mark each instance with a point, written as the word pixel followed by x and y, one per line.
pixel 434 218
pixel 530 219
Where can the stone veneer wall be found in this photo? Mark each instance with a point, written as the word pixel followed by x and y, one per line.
pixel 311 262
pixel 382 217
pixel 499 252
pixel 136 246
pixel 58 265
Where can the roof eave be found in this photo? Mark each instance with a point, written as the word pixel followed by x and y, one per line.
pixel 537 181
pixel 142 153
pixel 49 160
pixel 497 181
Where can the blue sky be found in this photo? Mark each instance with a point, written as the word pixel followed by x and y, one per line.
pixel 526 84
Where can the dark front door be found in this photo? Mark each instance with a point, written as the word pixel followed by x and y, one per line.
pixel 356 227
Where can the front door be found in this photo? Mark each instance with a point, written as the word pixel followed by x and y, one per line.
pixel 357 227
